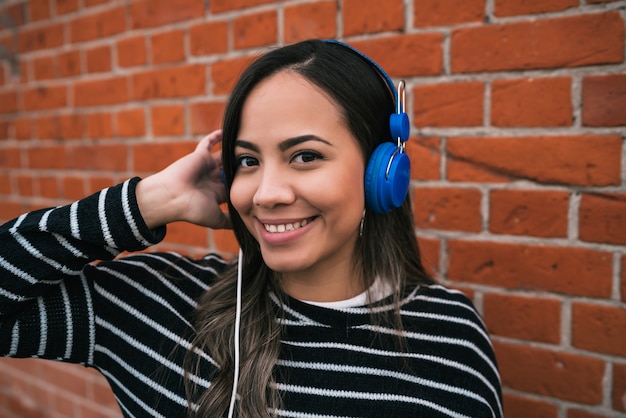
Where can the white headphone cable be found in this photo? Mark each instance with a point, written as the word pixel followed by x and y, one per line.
pixel 233 396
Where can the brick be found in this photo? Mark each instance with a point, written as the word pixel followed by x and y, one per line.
pixel 73 189
pixel 618 396
pixel 208 38
pixel 449 104
pixel 220 6
pixel 42 97
pixel 532 102
pixel 152 13
pixel 105 157
pixel 23 128
pixel 130 122
pixel 459 170
pixel 503 8
pixel 168 120
pixel 599 328
pixel 10 157
pixel 66 6
pixel 604 100
pixel 65 406
pixel 187 234
pixel 623 281
pixel 602 218
pixel 89 3
pixel 24 74
pixel 98 59
pixel 48 128
pixel 437 13
pixel 98 25
pixel 15 12
pixel 150 158
pixel 98 92
pixel 578 413
pixel 225 73
pixel 550 373
pixel 71 126
pixel 568 270
pixel 4 129
pixel 51 157
pixel 529 212
pixel 425 156
pixel 99 125
pixel 10 210
pixel 521 407
pixel 131 51
pixel 44 68
pixel 447 208
pixel 65 377
pixel 25 185
pixel 310 20
pixel 372 16
pixel 429 255
pixel 48 187
pixel 206 116
pixel 523 317
pixel 102 393
pixel 225 241
pixel 257 29
pixel 99 182
pixel 182 81
pixel 69 63
pixel 8 102
pixel 5 184
pixel 42 37
pixel 391 53
pixel 168 46
pixel 548 43
pixel 38 10
pixel 587 160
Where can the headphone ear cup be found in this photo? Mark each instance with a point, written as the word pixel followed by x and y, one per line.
pixel 386 192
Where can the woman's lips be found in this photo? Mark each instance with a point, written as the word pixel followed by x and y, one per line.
pixel 283 231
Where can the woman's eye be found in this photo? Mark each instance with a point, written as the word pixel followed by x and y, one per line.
pixel 306 157
pixel 247 161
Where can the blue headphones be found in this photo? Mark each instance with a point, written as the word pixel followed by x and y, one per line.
pixel 388 171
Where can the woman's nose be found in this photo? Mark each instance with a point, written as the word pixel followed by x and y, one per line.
pixel 274 189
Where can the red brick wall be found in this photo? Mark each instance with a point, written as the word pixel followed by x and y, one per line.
pixel 519 166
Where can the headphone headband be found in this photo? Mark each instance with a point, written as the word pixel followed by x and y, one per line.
pixel 388 172
pixel 379 69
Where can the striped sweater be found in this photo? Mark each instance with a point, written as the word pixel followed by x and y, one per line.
pixel 129 318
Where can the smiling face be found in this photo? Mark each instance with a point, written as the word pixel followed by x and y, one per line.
pixel 299 186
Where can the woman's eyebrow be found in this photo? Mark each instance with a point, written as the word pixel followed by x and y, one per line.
pixel 246 144
pixel 292 142
pixel 285 145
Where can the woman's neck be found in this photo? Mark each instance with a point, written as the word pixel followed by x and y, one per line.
pixel 324 285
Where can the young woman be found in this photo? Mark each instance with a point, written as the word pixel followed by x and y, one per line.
pixel 338 317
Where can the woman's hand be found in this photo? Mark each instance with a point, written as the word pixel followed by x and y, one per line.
pixel 190 189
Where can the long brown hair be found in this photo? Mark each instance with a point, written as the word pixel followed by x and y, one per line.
pixel 387 249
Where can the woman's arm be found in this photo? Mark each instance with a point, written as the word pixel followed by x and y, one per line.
pixel 45 294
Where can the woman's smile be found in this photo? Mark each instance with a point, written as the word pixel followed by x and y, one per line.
pixel 275 227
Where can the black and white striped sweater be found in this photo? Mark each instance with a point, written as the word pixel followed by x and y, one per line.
pixel 129 318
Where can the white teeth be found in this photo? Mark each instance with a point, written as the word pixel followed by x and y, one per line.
pixel 285 227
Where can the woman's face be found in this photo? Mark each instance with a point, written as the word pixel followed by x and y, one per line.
pixel 299 183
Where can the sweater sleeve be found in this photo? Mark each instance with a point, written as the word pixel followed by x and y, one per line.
pixel 46 304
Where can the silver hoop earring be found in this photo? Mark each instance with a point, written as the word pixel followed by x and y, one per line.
pixel 362 224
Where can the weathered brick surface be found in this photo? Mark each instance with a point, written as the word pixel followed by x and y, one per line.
pixel 529 212
pixel 524 318
pixel 518 111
